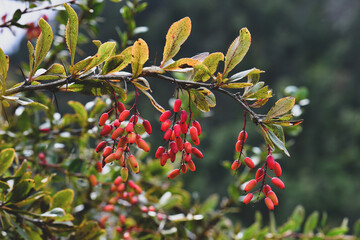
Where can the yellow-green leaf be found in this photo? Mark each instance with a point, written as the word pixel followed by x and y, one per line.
pixel 111 64
pixel 81 65
pixel 240 75
pixel 20 191
pixel 6 159
pixel 236 85
pixel 153 101
pixel 182 63
pixel 281 107
pixel 80 110
pixel 55 71
pixel 139 56
pixel 97 43
pixel 43 43
pixel 104 52
pixel 72 31
pixel 31 55
pixel 63 199
pixel 3 69
pixel 176 36
pixel 237 50
pixel 211 62
pixel 199 100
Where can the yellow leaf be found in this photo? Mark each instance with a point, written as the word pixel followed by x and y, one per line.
pixel 139 55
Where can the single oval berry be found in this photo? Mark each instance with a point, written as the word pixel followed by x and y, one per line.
pixel 266 189
pixel 277 169
pixel 143 145
pixel 99 167
pixel 147 126
pixel 107 151
pixel 120 107
pixel 183 116
pixel 131 137
pixel 165 115
pixel 177 130
pixel 235 165
pixel 167 134
pixel 194 135
pixel 172 156
pixel 159 151
pixel 134 119
pixel 163 159
pixel 249 162
pixel 93 180
pixel 259 174
pixel 179 143
pixel 269 204
pixel 124 115
pixel 248 198
pixel 277 182
pixel 122 142
pixel 197 125
pixel 165 125
pixel 99 148
pixel 187 157
pixel 270 161
pixel 103 118
pixel 183 168
pixel 117 181
pixel 243 135
pixel 250 185
pixel 239 145
pixel 116 123
pixel 173 147
pixel 191 165
pixel 130 127
pixel 110 158
pixel 109 208
pixel 177 105
pixel 184 127
pixel 106 130
pixel 174 173
pixel 117 133
pixel 132 161
pixel 187 147
pixel 124 174
pixel 273 197
pixel 197 153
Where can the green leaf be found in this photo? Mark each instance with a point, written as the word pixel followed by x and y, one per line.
pixel 20 191
pixel 199 100
pixel 250 232
pixel 25 102
pixel 237 50
pixel 63 199
pixel 211 62
pixel 209 96
pixel 43 43
pixel 95 88
pixel 20 172
pixel 240 75
pixel 298 217
pixel 53 213
pixel 281 107
pixel 4 65
pixel 29 200
pixel 176 36
pixel 54 72
pixel 41 182
pixel 278 140
pixel 153 101
pixel 6 159
pixel 337 231
pixel 80 66
pixel 31 55
pixel 236 85
pixel 182 63
pixel 79 110
pixel 72 31
pixel 139 56
pixel 112 64
pixel 88 230
pixel 104 52
pixel 311 223
pixel 19 230
pixel 4 185
pixel 210 204
pixel 357 228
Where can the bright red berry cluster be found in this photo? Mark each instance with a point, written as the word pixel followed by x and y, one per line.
pixel 122 134
pixel 176 129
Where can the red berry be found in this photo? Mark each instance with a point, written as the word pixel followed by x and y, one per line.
pixel 194 135
pixel 187 157
pixel 248 198
pixel 269 204
pixel 242 136
pixel 165 125
pixel 197 153
pixel 99 167
pixel 177 105
pixel 183 116
pixel 143 145
pixel 277 169
pixel 187 147
pixel 259 174
pixel 117 133
pixel 92 180
pixel 177 130
pixel 131 137
pixel 173 147
pixel 179 143
pixel 174 173
pixel 266 189
pixel 99 148
pixel 183 127
pixel 103 118
pixel 130 127
pixel 165 115
pixel 270 161
pixel 273 197
pixel 116 123
pixel 110 158
pixel 120 107
pixel 172 156
pixel 239 145
pixel 235 165
pixel 191 165
pixel 277 182
pixel 249 162
pixel 106 130
pixel 183 168
pixel 197 125
pixel 167 134
pixel 109 208
pixel 147 126
pixel 152 208
pixel 107 151
pixel 250 185
pixel 163 159
pixel 122 142
pixel 134 119
pixel 159 152
pixel 41 155
pixel 117 181
pixel 124 115
pixel 144 209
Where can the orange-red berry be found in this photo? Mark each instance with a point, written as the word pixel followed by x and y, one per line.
pixel 99 167
pixel 134 119
pixel 109 208
pixel 184 127
pixel 259 174
pixel 132 161
pixel 99 148
pixel 106 130
pixel 93 180
pixel 167 134
pixel 124 115
pixel 183 116
pixel 159 152
pixel 197 153
pixel 107 151
pixel 104 117
pixel 120 107
pixel 173 147
pixel 122 142
pixel 239 145
pixel 249 162
pixel 172 156
pixel 117 133
pixel 165 125
pixel 235 165
pixel 117 180
pixel 250 185
pixel 270 161
pixel 163 159
pixel 147 126
pixel 248 198
pixel 174 173
pixel 177 105
pixel 183 168
pixel 143 145
pixel 266 189
pixel 187 157
pixel 194 135
pixel 179 143
pixel 277 169
pixel 277 182
pixel 242 136
pixel 191 165
pixel 165 115
pixel 273 197
pixel 130 127
pixel 197 125
pixel 116 123
pixel 177 130
pixel 269 203
pixel 187 147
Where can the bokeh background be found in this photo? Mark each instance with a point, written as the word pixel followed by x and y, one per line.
pixel 308 44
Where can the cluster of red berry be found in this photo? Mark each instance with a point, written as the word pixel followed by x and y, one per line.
pixel 176 141
pixel 123 135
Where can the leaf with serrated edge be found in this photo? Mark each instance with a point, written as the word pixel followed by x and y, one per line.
pixel 281 107
pixel 43 43
pixel 237 50
pixel 139 56
pixel 178 33
pixel 72 31
pixel 240 75
pixel 153 101
pixel 211 62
